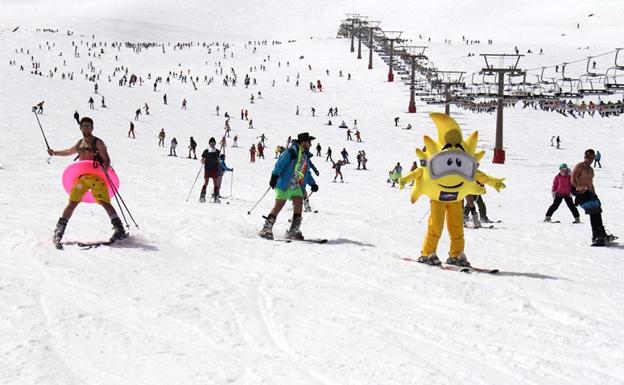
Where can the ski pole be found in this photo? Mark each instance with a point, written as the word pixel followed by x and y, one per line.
pixel 42 133
pixel 195 181
pixel 232 185
pixel 259 200
pixel 117 194
pixel 423 217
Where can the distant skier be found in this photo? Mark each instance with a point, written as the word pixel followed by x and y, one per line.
pixel 561 189
pixel 558 140
pixel 345 155
pixel 329 154
pixel 91 101
pixel 252 154
pixel 337 166
pixel 131 131
pixel 161 138
pixel 93 149
pixel 77 117
pixel 597 159
pixel 318 149
pixel 137 113
pixel 192 148
pixel 172 148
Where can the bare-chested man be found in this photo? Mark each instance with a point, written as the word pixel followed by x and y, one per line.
pixel 88 148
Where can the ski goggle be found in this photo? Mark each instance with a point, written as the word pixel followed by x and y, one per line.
pixel 451 163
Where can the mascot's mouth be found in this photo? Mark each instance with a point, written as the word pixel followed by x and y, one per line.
pixel 456 186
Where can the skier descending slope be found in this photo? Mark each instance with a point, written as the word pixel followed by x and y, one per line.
pixel 290 174
pixel 449 172
pixel 210 159
pixel 88 148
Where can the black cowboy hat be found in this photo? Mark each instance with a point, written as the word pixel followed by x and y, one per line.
pixel 304 136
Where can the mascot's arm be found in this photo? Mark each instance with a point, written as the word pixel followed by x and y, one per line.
pixel 497 183
pixel 412 176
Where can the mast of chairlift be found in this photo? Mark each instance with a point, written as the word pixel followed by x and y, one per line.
pixel 392 40
pixel 449 80
pixel 411 108
pixel 372 26
pixel 499 152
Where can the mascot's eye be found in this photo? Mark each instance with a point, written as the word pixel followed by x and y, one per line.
pixel 449 162
pixel 458 162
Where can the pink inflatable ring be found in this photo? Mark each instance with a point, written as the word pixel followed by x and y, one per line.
pixel 76 169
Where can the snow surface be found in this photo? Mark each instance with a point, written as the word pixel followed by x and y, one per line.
pixel 195 297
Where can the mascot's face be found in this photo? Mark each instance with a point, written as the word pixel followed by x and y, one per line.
pixel 450 163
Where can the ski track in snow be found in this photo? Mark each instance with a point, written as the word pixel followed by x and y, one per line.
pixel 196 297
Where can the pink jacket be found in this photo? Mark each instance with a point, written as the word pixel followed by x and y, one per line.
pixel 562 185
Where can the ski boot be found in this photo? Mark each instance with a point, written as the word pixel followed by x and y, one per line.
pixel 306 205
pixel 577 220
pixel 486 220
pixel 475 220
pixel 58 232
pixel 120 232
pixel 267 229
pixel 202 197
pixel 432 259
pixel 547 219
pixel 215 198
pixel 294 232
pixel 459 260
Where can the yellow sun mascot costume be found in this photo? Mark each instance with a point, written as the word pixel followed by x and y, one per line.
pixel 449 172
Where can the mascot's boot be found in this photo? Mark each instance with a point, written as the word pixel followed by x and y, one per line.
pixel 267 229
pixel 459 260
pixel 432 259
pixel 294 232
pixel 120 232
pixel 59 231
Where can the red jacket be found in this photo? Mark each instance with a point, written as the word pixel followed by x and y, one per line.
pixel 562 185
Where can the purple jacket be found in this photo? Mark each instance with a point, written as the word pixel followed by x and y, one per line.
pixel 562 185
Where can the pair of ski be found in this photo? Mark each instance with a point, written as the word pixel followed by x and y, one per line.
pixel 286 240
pixel 85 245
pixel 462 269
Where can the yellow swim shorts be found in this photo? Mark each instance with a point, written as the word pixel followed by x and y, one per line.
pixel 91 182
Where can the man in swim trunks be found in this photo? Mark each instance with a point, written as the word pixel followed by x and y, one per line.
pixel 289 177
pixel 88 148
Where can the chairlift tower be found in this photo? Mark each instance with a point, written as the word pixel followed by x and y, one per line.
pixel 353 18
pixel 372 27
pixel 448 80
pixel 413 53
pixel 360 23
pixel 508 64
pixel 392 37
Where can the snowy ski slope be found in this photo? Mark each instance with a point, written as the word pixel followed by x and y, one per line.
pixel 195 297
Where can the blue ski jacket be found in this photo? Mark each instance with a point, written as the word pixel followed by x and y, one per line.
pixel 285 168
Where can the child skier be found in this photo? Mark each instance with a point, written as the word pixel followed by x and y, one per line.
pixel 561 188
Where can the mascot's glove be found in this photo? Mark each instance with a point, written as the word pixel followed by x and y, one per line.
pixel 497 183
pixel 314 187
pixel 273 181
pixel 412 176
pixel 316 172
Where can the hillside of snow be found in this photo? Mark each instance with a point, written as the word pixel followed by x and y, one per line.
pixel 194 296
